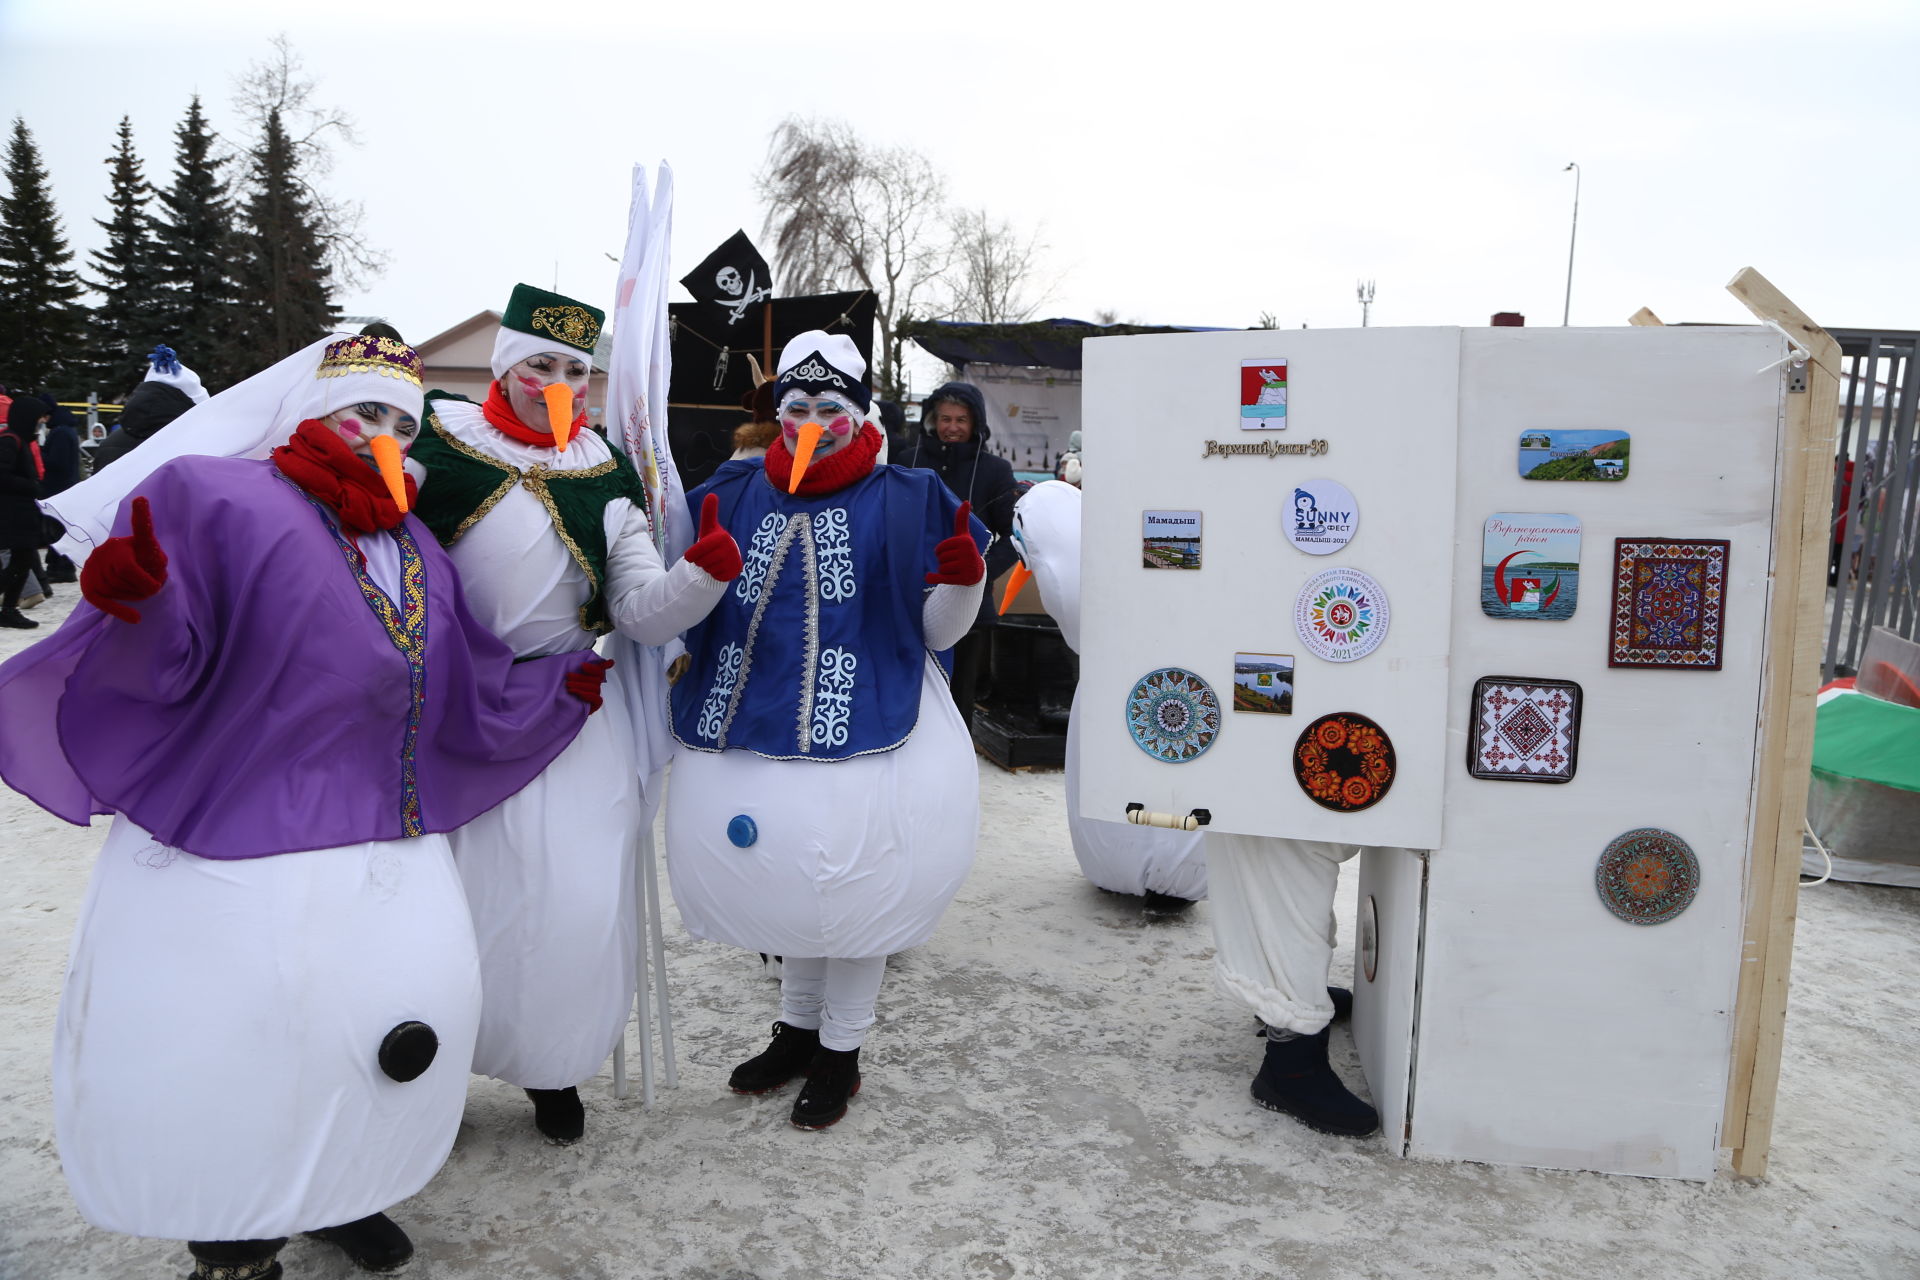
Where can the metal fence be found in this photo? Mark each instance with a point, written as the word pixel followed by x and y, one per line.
pixel 1873 568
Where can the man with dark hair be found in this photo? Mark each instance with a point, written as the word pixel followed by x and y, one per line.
pixel 952 442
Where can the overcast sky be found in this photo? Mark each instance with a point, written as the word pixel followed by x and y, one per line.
pixel 1186 163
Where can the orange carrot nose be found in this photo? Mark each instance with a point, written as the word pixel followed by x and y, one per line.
pixel 810 433
pixel 559 398
pixel 1016 579
pixel 386 456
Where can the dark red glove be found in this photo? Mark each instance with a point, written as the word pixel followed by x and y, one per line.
pixel 715 550
pixel 585 680
pixel 129 568
pixel 960 562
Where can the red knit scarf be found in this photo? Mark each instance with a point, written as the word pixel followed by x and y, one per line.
pixel 500 413
pixel 320 462
pixel 850 462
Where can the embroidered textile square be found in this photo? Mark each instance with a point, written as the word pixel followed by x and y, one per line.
pixel 1524 730
pixel 1669 602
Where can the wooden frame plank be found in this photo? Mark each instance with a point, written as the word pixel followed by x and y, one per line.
pixel 1644 318
pixel 1794 617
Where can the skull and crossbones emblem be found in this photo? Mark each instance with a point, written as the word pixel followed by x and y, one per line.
pixel 744 293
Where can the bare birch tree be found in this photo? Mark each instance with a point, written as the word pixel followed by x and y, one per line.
pixel 996 273
pixel 843 213
pixel 278 85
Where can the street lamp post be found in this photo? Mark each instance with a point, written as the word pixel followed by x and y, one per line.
pixel 1566 308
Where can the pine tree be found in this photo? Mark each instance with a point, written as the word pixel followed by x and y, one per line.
pixel 127 324
pixel 195 238
pixel 282 270
pixel 41 321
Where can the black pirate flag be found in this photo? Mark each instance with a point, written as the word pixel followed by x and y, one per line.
pixel 734 277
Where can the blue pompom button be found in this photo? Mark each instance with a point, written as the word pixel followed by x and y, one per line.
pixel 742 831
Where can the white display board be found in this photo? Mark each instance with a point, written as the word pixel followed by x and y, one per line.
pixel 1377 415
pixel 1513 1018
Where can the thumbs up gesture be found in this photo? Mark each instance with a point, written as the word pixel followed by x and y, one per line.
pixel 960 562
pixel 714 550
pixel 126 568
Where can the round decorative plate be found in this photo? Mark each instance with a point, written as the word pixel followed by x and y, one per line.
pixel 1369 941
pixel 1647 876
pixel 1341 615
pixel 1344 762
pixel 1173 715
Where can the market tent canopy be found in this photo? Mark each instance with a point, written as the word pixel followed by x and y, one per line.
pixel 1051 344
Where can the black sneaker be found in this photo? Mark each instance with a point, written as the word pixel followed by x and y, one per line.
pixel 1296 1079
pixel 17 620
pixel 833 1078
pixel 374 1243
pixel 785 1057
pixel 558 1114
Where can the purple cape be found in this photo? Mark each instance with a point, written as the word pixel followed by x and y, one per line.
pixel 271 699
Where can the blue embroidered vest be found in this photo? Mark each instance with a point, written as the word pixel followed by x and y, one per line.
pixel 816 650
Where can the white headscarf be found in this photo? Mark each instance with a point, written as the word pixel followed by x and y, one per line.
pixel 247 420
pixel 510 347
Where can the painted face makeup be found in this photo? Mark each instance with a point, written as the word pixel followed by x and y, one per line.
pixel 358 424
pixel 525 385
pixel 837 419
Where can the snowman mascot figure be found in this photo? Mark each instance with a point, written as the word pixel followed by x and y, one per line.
pixel 275 685
pixel 824 804
pixel 549 527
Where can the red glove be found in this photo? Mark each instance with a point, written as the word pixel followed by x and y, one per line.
pixel 960 562
pixel 715 550
pixel 585 680
pixel 129 568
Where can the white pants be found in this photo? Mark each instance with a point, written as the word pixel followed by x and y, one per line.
pixel 833 995
pixel 1273 926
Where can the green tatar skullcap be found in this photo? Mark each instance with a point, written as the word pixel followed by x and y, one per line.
pixel 553 315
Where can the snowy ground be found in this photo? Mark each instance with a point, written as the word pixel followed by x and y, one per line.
pixel 1054 1090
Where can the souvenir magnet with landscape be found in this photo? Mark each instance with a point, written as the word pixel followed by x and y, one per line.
pixel 1263 682
pixel 1530 566
pixel 1574 455
pixel 1170 539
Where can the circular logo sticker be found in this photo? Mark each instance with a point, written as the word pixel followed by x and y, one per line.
pixel 1321 518
pixel 1341 614
pixel 1647 876
pixel 1173 715
pixel 1344 762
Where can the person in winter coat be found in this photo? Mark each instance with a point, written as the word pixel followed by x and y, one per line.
pixel 170 390
pixel 60 452
pixel 952 443
pixel 20 524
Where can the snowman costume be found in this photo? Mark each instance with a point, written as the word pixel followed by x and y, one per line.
pixel 273 990
pixel 1116 856
pixel 556 548
pixel 824 803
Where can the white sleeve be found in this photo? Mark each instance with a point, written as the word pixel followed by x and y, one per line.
pixel 648 602
pixel 949 612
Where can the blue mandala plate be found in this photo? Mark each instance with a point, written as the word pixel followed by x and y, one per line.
pixel 1173 715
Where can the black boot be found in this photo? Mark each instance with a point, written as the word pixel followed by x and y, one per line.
pixel 831 1080
pixel 235 1259
pixel 1296 1079
pixel 374 1243
pixel 1342 1009
pixel 558 1114
pixel 1164 904
pixel 791 1049
pixel 17 620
